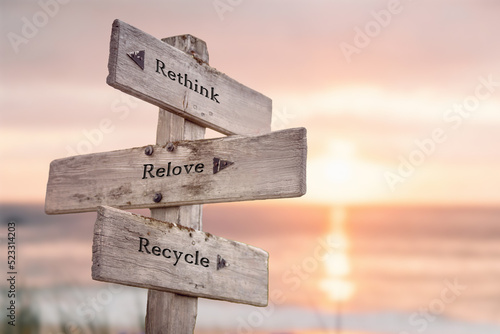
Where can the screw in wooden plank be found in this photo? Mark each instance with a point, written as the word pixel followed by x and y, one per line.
pixel 170 147
pixel 157 198
pixel 149 150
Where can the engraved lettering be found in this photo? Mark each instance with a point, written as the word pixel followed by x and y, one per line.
pixel 151 171
pixel 160 172
pixel 168 168
pixel 176 170
pixel 189 83
pixel 204 89
pixel 189 258
pixel 205 262
pixel 177 257
pixel 171 75
pixel 156 250
pixel 188 169
pixel 160 67
pixel 148 171
pixel 145 245
pixel 214 96
pixel 199 168
pixel 163 253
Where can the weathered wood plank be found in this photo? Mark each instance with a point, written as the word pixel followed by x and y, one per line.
pixel 264 167
pixel 173 80
pixel 144 252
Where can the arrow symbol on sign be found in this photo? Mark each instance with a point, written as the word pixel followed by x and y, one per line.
pixel 137 57
pixel 220 164
pixel 221 263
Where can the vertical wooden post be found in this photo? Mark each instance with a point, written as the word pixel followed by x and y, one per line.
pixel 170 313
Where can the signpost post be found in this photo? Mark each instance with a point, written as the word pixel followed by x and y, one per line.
pixel 179 262
pixel 169 312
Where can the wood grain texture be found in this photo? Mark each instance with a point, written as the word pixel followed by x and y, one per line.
pixel 186 260
pixel 265 167
pixel 239 110
pixel 170 312
pixel 191 45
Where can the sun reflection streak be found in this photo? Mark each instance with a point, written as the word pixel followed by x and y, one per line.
pixel 337 284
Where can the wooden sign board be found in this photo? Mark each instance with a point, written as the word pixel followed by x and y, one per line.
pixel 146 67
pixel 234 168
pixel 144 252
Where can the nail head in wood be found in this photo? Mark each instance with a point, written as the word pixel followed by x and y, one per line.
pixel 149 150
pixel 170 147
pixel 157 198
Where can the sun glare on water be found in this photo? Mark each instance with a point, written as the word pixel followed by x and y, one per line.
pixel 337 263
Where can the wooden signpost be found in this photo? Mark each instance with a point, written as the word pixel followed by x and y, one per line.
pixel 168 253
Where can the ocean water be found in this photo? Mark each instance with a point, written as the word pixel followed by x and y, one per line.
pixel 369 269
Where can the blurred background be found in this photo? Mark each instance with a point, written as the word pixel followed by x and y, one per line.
pixel 399 230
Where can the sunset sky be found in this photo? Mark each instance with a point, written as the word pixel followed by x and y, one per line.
pixel 401 101
pixel 400 98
